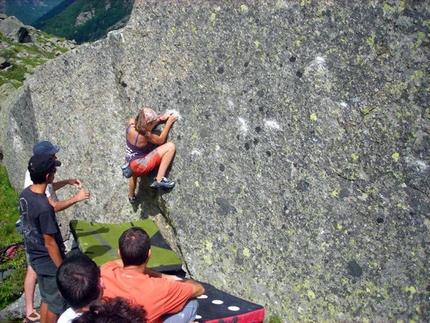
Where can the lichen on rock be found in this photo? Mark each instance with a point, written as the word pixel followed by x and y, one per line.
pixel 302 161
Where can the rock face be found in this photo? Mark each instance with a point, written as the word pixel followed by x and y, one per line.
pixel 14 29
pixel 302 162
pixel 83 17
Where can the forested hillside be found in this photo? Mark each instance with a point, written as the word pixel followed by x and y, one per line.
pixel 27 11
pixel 85 20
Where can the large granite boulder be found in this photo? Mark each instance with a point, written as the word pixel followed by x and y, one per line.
pixel 302 162
pixel 14 29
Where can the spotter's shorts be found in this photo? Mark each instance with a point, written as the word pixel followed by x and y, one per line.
pixel 50 294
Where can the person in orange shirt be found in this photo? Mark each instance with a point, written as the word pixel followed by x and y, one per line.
pixel 166 298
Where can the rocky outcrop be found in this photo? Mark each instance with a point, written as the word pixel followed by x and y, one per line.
pixel 302 162
pixel 22 48
pixel 84 17
pixel 16 31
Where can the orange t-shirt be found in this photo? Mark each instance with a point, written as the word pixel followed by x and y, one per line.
pixel 158 296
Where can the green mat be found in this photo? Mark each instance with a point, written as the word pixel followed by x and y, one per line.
pixel 100 242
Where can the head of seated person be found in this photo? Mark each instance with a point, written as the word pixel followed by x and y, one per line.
pixel 78 280
pixel 113 310
pixel 134 247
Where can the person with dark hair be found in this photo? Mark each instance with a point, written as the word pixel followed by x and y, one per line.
pixel 45 147
pixel 146 150
pixel 42 235
pixel 114 310
pixel 166 298
pixel 79 282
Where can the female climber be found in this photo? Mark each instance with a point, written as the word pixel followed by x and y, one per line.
pixel 147 150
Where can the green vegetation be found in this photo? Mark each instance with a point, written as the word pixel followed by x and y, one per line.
pixel 28 11
pixel 11 287
pixel 55 11
pixel 16 73
pixel 24 57
pixel 274 319
pixel 62 20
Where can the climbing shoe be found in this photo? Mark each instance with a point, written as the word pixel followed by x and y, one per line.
pixel 164 183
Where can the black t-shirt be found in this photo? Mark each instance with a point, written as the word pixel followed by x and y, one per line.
pixel 37 219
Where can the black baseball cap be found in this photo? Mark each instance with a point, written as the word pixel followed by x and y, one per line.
pixel 42 163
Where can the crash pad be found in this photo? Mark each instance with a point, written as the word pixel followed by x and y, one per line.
pixel 99 241
pixel 216 306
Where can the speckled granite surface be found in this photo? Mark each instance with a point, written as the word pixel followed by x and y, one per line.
pixel 302 162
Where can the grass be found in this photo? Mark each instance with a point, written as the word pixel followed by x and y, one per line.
pixel 11 287
pixel 21 56
pixel 17 73
pixel 8 210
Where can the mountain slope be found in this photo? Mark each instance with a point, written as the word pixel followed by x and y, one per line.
pixel 27 11
pixel 85 20
pixel 19 56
